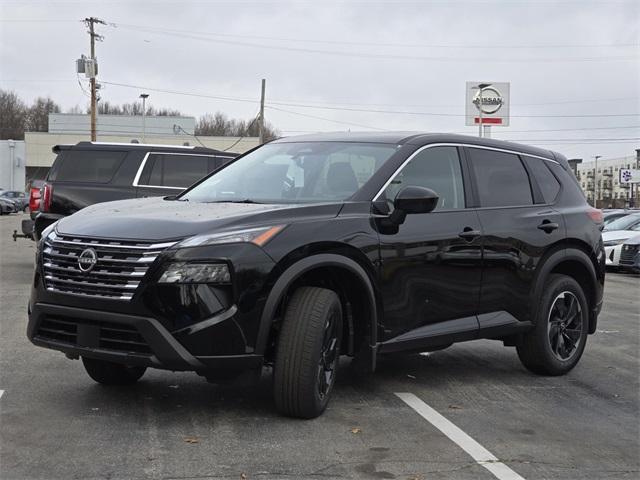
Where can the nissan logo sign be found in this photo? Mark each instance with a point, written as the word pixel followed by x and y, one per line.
pixel 87 260
pixel 491 100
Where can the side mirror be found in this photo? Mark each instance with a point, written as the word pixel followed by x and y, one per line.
pixel 416 200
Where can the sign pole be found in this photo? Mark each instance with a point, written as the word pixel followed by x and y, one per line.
pixel 481 87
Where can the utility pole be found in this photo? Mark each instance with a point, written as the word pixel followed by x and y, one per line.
pixel 93 36
pixel 261 124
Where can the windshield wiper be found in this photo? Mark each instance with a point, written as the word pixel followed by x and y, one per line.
pixel 246 200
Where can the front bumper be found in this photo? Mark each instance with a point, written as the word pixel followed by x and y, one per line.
pixel 612 255
pixel 122 338
pixel 630 258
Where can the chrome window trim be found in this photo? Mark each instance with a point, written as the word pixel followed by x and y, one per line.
pixel 136 179
pixel 451 144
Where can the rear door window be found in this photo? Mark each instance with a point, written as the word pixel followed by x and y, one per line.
pixel 175 170
pixel 88 166
pixel 501 178
pixel 548 183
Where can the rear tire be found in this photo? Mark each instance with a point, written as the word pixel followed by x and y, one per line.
pixel 308 352
pixel 109 373
pixel 558 339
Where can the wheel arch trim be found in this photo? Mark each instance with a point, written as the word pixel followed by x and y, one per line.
pixel 295 271
pixel 568 255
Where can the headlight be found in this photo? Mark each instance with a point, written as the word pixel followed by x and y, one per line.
pixel 612 243
pixel 196 273
pixel 258 236
pixel 47 231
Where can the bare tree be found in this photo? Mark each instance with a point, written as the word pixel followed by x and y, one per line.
pixel 37 115
pixel 12 116
pixel 134 108
pixel 15 117
pixel 75 109
pixel 219 124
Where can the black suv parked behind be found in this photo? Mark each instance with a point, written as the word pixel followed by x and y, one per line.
pixel 313 247
pixel 93 172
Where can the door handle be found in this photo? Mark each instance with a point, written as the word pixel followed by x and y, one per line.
pixel 469 233
pixel 548 226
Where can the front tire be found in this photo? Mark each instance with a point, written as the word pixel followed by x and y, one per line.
pixel 558 339
pixel 110 373
pixel 308 352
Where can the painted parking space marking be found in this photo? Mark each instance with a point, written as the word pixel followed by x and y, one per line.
pixel 481 455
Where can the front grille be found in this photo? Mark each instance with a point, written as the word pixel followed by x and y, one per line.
pixel 90 334
pixel 628 253
pixel 118 270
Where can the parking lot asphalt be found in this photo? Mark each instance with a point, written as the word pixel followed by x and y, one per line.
pixel 56 423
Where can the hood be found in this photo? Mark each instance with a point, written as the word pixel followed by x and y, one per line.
pixel 618 235
pixel 633 240
pixel 159 219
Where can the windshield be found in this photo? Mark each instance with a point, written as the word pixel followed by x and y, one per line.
pixel 624 223
pixel 303 172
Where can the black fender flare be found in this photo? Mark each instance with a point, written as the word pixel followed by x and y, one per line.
pixel 293 272
pixel 557 257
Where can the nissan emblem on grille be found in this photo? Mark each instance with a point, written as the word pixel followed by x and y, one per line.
pixel 70 265
pixel 87 260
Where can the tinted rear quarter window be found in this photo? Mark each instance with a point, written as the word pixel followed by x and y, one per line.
pixel 87 166
pixel 548 183
pixel 167 170
pixel 501 178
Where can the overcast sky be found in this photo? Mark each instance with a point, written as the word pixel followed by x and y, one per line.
pixel 353 61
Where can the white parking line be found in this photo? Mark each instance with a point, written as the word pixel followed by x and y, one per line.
pixel 480 454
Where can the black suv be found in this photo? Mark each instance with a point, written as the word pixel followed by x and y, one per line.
pixel 312 247
pixel 93 172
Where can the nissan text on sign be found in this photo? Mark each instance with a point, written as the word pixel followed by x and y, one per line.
pixel 494 104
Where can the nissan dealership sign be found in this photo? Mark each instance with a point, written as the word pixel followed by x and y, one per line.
pixel 494 103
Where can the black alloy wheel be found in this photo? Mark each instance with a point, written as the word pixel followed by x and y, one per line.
pixel 328 355
pixel 565 325
pixel 556 342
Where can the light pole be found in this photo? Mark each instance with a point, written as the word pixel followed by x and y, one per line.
pixel 481 87
pixel 144 97
pixel 596 189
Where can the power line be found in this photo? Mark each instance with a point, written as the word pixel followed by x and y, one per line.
pixel 177 92
pixel 440 114
pixel 248 128
pixel 400 112
pixel 457 106
pixel 371 44
pixel 446 59
pixel 326 119
pixel 191 134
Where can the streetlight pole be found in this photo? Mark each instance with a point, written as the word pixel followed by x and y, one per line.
pixel 481 87
pixel 596 189
pixel 144 97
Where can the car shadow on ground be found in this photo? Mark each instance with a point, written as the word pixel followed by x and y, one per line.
pixel 187 392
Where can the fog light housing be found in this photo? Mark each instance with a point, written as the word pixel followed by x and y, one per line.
pixel 183 272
